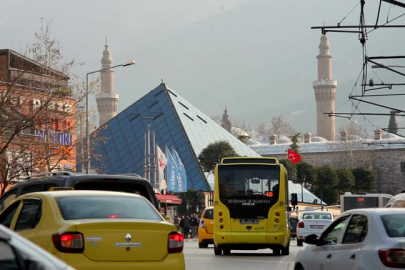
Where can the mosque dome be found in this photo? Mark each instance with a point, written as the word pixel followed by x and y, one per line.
pixel 283 140
pixel 318 139
pixel 387 135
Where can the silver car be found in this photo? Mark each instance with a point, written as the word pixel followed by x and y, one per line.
pixel 372 238
pixel 16 252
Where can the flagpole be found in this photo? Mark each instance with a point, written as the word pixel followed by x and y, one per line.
pixel 145 159
pixel 148 168
pixel 155 161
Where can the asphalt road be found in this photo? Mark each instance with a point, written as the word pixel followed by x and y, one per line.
pixel 204 258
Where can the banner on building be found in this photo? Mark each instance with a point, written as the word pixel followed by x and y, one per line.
pixel 181 176
pixel 172 172
pixel 162 162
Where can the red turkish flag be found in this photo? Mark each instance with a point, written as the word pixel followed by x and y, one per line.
pixel 294 157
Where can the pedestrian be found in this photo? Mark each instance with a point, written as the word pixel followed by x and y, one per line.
pixel 194 225
pixel 186 228
pixel 177 222
pixel 181 224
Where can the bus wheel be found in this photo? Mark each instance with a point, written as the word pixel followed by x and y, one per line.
pixel 217 251
pixel 227 252
pixel 285 250
pixel 276 251
pixel 299 242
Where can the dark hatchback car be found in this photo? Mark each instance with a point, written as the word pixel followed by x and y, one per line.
pixel 293 226
pixel 130 183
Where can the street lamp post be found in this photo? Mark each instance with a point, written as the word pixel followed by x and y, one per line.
pixel 87 159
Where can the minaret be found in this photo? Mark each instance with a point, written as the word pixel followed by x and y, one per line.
pixel 107 100
pixel 325 92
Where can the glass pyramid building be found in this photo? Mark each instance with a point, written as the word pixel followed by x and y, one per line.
pixel 120 143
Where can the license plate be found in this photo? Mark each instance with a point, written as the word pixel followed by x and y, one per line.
pixel 249 221
pixel 316 226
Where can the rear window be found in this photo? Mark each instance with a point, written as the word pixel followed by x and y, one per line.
pixel 209 214
pixel 394 225
pixel 326 216
pixel 100 207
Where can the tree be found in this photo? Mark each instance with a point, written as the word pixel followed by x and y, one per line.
pixel 280 126
pixel 363 180
pixel 325 184
pixel 290 167
pixel 294 142
pixel 37 110
pixel 346 180
pixel 193 201
pixel 225 122
pixel 306 173
pixel 213 153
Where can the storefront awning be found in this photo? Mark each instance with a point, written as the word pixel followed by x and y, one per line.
pixel 170 199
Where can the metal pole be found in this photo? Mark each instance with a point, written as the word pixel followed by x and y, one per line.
pixel 156 179
pixel 87 126
pixel 145 160
pixel 148 168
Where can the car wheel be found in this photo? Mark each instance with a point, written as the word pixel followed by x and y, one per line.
pixel 299 267
pixel 217 251
pixel 227 252
pixel 276 251
pixel 202 245
pixel 300 242
pixel 285 250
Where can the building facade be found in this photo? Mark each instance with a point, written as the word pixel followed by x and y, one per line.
pixel 37 117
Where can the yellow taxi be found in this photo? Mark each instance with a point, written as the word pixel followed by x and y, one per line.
pixel 97 229
pixel 206 228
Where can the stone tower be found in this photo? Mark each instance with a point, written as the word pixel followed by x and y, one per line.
pixel 325 92
pixel 107 100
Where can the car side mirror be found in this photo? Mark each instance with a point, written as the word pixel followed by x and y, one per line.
pixel 311 239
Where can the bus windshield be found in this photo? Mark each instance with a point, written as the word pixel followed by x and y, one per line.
pixel 249 181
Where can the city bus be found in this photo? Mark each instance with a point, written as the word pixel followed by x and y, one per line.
pixel 371 200
pixel 251 206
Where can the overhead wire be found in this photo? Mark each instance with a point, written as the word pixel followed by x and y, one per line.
pixel 338 24
pixel 386 23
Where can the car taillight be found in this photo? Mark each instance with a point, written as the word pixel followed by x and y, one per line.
pixel 176 242
pixel 301 224
pixel 68 242
pixel 392 257
pixel 202 224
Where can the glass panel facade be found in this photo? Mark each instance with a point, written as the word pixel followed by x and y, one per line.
pixel 119 144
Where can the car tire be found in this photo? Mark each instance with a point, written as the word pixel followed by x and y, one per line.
pixel 217 251
pixel 276 251
pixel 227 252
pixel 300 242
pixel 299 267
pixel 285 250
pixel 202 245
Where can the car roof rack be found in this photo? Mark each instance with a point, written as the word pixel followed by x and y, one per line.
pixel 49 173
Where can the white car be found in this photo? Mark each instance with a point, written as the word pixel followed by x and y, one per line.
pixel 16 252
pixel 372 238
pixel 312 222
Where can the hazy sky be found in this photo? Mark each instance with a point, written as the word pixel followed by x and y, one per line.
pixel 256 57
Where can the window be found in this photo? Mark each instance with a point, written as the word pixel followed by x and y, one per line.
pixel 331 236
pixel 403 167
pixel 29 216
pixel 7 199
pixel 209 214
pixel 7 216
pixel 31 188
pixel 394 225
pixel 356 230
pixel 8 259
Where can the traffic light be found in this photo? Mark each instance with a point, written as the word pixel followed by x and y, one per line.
pixel 294 199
